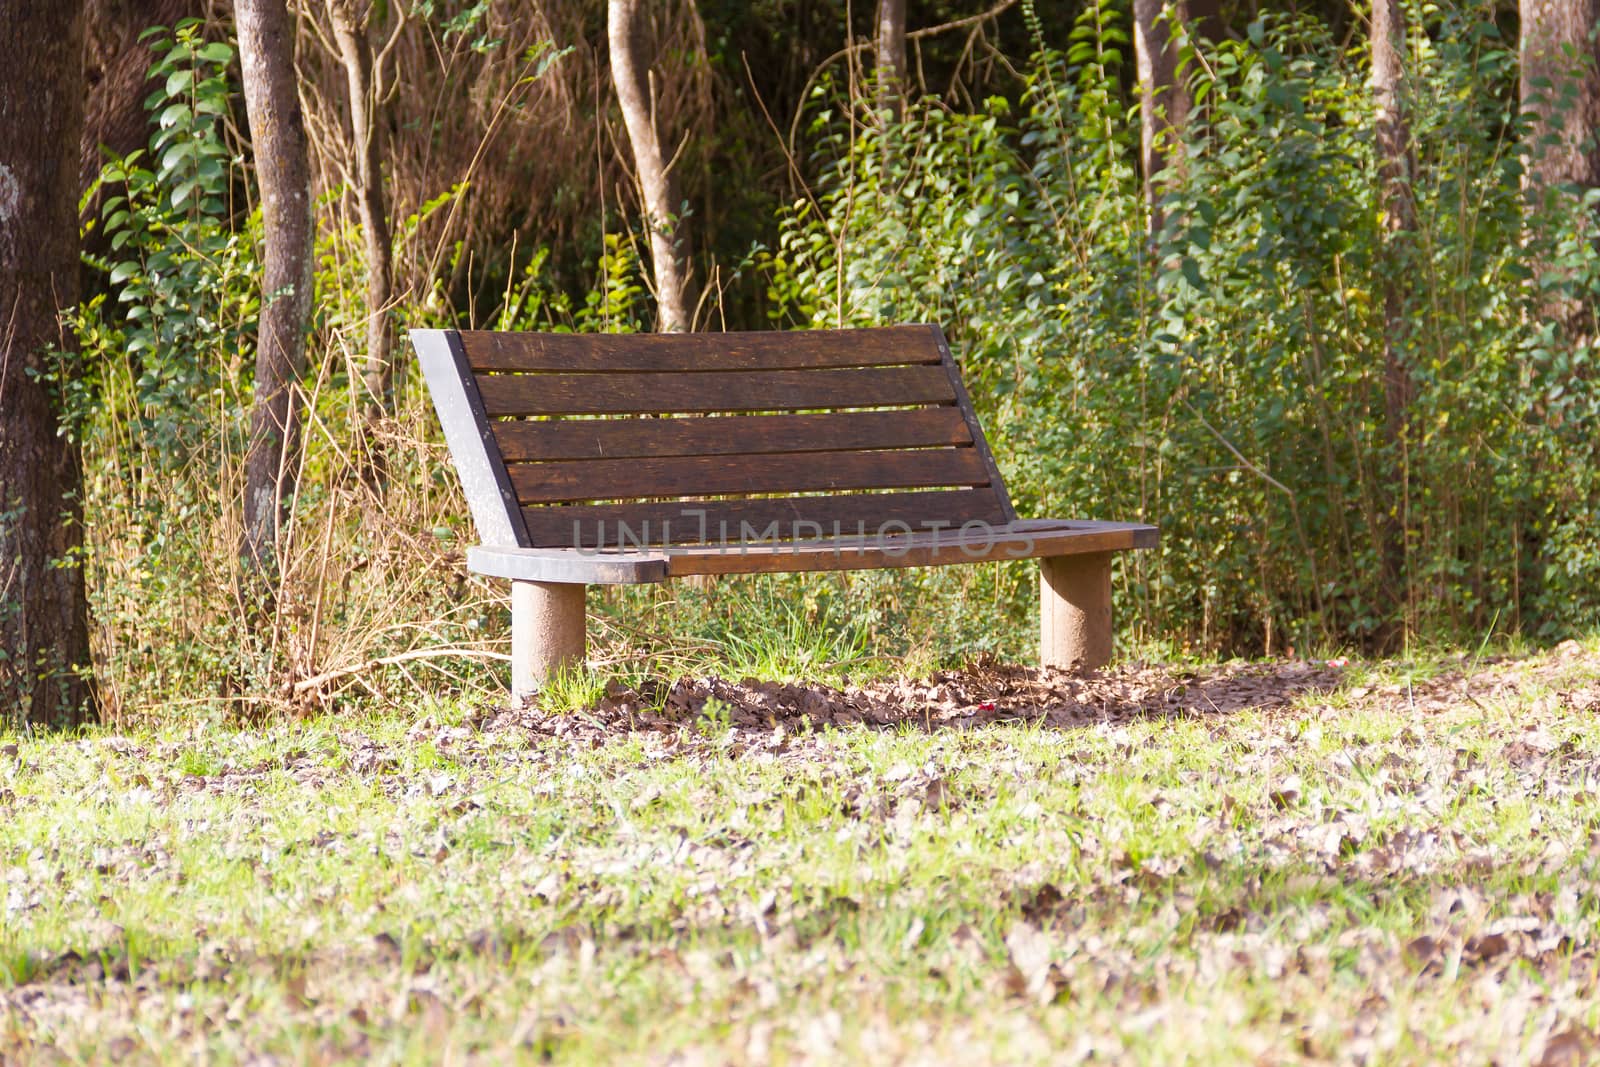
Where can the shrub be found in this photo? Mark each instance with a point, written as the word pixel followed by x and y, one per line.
pixel 1224 376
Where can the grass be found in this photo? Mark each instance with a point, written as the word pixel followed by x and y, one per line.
pixel 1397 870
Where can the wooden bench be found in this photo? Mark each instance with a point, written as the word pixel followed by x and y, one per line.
pixel 615 459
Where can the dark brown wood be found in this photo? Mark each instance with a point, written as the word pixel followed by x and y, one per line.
pixel 677 522
pixel 633 353
pixel 964 404
pixel 626 479
pixel 912 550
pixel 730 436
pixel 736 391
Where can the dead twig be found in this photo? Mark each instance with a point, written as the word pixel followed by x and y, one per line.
pixel 307 684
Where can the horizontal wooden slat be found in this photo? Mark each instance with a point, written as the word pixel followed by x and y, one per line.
pixel 736 391
pixel 913 550
pixel 677 522
pixel 729 436
pixel 625 479
pixel 770 350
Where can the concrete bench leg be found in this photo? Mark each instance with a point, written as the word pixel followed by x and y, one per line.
pixel 1075 611
pixel 548 632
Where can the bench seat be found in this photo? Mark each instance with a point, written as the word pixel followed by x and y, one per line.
pixel 623 459
pixel 1023 539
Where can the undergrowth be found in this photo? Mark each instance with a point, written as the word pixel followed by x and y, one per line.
pixel 1216 377
pixel 1223 376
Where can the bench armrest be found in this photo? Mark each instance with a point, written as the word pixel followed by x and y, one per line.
pixel 577 566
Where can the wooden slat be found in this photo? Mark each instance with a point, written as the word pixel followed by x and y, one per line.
pixel 733 435
pixel 770 350
pixel 676 522
pixel 914 550
pixel 624 479
pixel 735 391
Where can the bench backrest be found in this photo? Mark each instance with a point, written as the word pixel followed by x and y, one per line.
pixel 582 440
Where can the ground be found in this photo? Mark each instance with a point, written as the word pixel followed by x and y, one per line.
pixel 1279 863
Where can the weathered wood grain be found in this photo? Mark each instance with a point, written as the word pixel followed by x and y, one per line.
pixel 675 522
pixel 734 391
pixel 732 435
pixel 765 350
pixel 564 481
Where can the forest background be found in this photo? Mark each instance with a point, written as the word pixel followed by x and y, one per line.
pixel 1312 287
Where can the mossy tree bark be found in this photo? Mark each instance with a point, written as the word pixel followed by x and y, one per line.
pixel 283 171
pixel 44 621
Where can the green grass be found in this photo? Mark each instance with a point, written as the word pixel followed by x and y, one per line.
pixel 1401 870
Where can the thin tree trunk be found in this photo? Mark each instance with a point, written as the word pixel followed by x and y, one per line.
pixel 355 53
pixel 1393 140
pixel 890 56
pixel 1399 210
pixel 283 170
pixel 44 618
pixel 1560 93
pixel 668 254
pixel 1164 103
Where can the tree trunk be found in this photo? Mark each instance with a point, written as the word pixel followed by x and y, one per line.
pixel 1560 94
pixel 1164 103
pixel 116 67
pixel 283 170
pixel 1393 146
pixel 625 29
pixel 355 53
pixel 890 54
pixel 1399 210
pixel 44 618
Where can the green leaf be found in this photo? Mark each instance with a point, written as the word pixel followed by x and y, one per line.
pixel 1191 272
